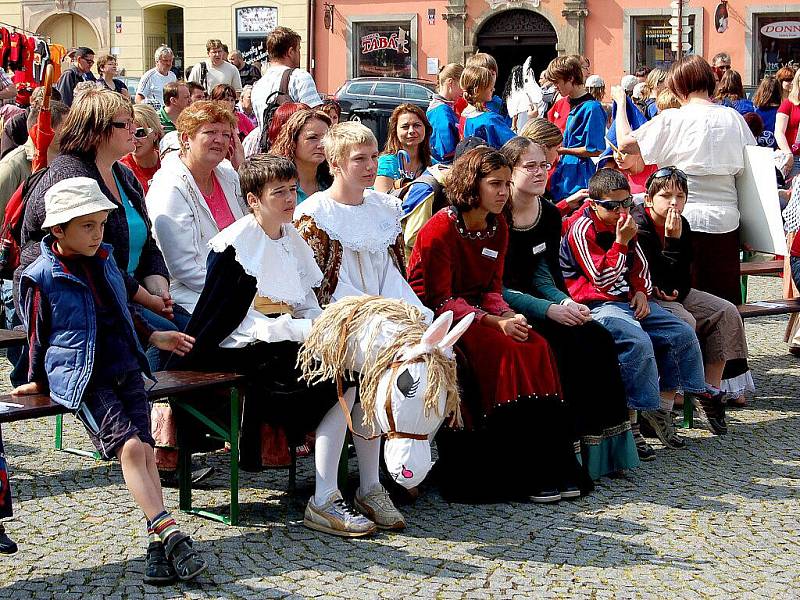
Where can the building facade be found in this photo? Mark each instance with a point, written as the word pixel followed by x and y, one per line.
pixel 414 38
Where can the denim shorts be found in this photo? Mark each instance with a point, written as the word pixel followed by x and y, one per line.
pixel 117 410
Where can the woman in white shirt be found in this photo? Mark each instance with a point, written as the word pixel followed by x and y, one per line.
pixel 706 141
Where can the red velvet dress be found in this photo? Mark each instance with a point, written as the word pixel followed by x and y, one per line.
pixel 518 436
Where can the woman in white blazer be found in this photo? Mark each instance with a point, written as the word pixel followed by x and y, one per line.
pixel 195 194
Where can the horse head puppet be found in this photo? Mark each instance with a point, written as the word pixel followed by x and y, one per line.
pixel 406 372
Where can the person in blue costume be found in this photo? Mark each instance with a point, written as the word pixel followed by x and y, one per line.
pixel 409 130
pixel 495 104
pixel 584 134
pixel 767 99
pixel 476 119
pixel 730 92
pixel 442 117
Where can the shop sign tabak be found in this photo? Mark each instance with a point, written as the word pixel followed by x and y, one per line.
pixel 375 41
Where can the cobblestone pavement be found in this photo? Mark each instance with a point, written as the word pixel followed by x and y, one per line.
pixel 720 519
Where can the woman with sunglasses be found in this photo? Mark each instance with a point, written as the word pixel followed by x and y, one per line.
pixel 533 286
pixel 515 408
pixel 144 161
pixel 96 134
pixel 225 93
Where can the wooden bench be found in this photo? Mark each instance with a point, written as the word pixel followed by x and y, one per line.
pixel 767 267
pixel 764 308
pixel 177 387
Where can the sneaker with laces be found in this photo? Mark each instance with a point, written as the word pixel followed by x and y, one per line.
pixel 337 517
pixel 377 506
pixel 643 449
pixel 661 422
pixel 713 406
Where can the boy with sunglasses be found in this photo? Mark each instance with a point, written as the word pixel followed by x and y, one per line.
pixel 665 238
pixel 605 268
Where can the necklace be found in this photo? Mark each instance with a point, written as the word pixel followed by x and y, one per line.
pixel 474 235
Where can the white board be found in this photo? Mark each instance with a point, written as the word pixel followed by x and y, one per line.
pixel 761 222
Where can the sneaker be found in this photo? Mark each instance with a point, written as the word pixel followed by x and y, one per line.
pixel 663 426
pixel 643 449
pixel 377 506
pixel 157 569
pixel 714 408
pixel 186 561
pixel 570 492
pixel 545 496
pixel 7 545
pixel 337 518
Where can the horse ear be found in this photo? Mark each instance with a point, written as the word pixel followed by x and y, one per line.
pixel 455 334
pixel 437 330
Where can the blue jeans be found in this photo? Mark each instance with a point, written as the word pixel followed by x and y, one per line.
pixel 155 357
pixel 660 352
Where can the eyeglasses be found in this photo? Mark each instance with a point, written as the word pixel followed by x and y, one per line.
pixel 123 125
pixel 142 132
pixel 723 67
pixel 667 172
pixel 88 60
pixel 534 167
pixel 615 205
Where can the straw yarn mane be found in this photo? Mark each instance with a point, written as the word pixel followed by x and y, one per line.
pixel 324 355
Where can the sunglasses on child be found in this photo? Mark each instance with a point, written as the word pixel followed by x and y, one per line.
pixel 666 172
pixel 615 205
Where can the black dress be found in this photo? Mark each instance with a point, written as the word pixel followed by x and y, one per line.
pixel 585 354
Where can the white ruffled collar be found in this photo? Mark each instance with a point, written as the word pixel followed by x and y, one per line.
pixel 284 269
pixel 372 226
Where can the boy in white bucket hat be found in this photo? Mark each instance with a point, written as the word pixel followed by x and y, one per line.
pixel 86 354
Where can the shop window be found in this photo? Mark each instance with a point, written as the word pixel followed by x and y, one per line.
pixel 778 42
pixel 382 50
pixel 650 42
pixel 253 23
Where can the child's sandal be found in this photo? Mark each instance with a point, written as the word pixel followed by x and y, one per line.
pixel 186 560
pixel 157 569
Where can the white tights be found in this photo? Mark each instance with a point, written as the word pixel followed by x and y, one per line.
pixel 328 449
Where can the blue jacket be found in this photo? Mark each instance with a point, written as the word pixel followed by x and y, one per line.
pixel 444 125
pixel 60 319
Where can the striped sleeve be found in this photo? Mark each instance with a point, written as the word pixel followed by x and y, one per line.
pixel 603 268
pixel 640 273
pixel 303 89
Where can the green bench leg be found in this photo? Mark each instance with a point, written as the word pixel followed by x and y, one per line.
pixel 59 442
pixel 688 412
pixel 234 441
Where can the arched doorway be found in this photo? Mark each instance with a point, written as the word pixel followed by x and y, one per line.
pixel 513 35
pixel 163 24
pixel 70 30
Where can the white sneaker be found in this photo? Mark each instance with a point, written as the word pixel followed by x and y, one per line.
pixel 337 518
pixel 378 507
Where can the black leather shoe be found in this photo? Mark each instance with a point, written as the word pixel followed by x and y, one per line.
pixel 157 569
pixel 7 545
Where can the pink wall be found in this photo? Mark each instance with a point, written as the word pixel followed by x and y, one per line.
pixel 331 48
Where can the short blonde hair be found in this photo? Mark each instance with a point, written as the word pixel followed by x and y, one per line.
pixel 202 112
pixel 482 59
pixel 342 137
pixel 450 71
pixel 543 132
pixel 473 80
pixel 145 115
pixel 88 123
pixel 666 99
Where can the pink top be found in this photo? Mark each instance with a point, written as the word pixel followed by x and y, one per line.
pixel 218 205
pixel 792 111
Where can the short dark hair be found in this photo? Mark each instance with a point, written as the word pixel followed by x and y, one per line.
pixel 213 45
pixel 171 90
pixel 565 68
pixel 463 182
pixel 606 181
pixel 192 87
pixel 261 169
pixel 280 41
pixel 675 178
pixel 83 51
pixel 755 123
pixel 691 74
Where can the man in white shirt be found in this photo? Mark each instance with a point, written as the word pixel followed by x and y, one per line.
pixel 210 73
pixel 151 85
pixel 283 47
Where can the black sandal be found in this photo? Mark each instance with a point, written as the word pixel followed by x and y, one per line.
pixel 186 561
pixel 157 569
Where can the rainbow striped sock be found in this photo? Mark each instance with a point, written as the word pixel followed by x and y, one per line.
pixel 151 535
pixel 164 525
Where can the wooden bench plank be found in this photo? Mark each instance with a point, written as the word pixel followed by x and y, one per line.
pixel 12 337
pixel 781 307
pixel 32 407
pixel 766 267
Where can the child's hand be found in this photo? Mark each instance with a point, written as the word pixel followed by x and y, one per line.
pixel 673 225
pixel 27 389
pixel 172 341
pixel 618 95
pixel 568 314
pixel 626 228
pixel 640 306
pixel 576 199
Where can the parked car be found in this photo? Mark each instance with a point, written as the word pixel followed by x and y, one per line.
pixel 371 100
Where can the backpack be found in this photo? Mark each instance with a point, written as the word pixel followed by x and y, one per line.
pixel 274 100
pixel 419 214
pixel 11 231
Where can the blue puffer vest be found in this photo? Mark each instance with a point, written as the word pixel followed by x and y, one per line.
pixel 70 343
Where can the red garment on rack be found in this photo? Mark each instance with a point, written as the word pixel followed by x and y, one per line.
pixel 5 47
pixel 17 53
pixel 25 74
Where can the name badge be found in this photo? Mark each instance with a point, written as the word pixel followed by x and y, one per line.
pixel 539 248
pixel 490 253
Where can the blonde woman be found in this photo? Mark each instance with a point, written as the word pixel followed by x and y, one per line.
pixel 144 160
pixel 652 88
pixel 442 117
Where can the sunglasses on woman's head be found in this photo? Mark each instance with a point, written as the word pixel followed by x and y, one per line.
pixel 615 205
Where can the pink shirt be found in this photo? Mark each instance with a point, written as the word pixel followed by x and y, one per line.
pixel 218 205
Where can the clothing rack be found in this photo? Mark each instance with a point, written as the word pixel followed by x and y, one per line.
pixel 23 30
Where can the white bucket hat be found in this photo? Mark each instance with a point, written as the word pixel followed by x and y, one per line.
pixel 72 198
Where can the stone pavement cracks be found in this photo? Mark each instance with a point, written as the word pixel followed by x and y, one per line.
pixel 720 519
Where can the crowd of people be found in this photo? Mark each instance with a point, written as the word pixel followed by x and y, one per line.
pixel 205 224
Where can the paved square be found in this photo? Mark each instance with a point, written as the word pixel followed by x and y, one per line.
pixel 720 519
